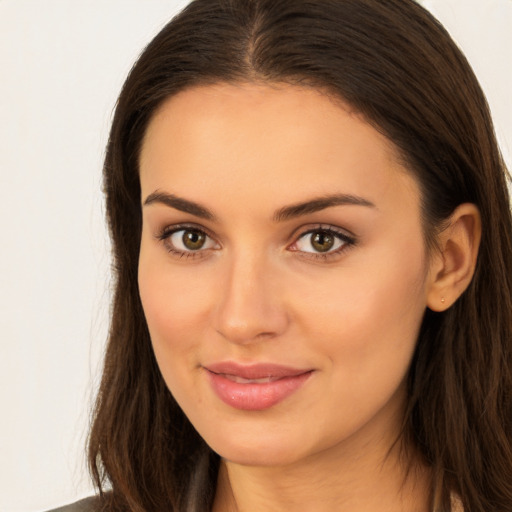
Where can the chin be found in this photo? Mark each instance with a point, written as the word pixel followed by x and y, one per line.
pixel 262 446
pixel 269 456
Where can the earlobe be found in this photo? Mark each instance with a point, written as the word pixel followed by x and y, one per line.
pixel 452 268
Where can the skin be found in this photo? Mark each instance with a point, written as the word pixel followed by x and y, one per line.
pixel 258 291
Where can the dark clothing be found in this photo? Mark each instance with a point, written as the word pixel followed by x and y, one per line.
pixel 85 505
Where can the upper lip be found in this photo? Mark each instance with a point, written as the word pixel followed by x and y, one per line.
pixel 256 370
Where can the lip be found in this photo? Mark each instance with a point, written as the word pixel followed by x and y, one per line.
pixel 254 387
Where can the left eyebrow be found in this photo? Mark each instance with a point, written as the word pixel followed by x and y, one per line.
pixel 318 204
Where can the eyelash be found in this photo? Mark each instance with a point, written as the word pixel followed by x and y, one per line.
pixel 348 241
pixel 165 235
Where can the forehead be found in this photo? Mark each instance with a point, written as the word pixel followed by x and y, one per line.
pixel 282 141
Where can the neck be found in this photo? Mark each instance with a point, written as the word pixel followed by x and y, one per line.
pixel 342 479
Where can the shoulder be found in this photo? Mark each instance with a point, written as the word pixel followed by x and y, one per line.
pixel 86 505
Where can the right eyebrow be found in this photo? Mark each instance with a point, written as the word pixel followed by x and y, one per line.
pixel 178 203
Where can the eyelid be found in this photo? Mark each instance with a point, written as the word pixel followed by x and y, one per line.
pixel 166 232
pixel 312 228
pixel 347 237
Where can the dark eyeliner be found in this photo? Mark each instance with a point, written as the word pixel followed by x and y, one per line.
pixel 164 234
pixel 349 241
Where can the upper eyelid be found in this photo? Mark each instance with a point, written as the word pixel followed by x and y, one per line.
pixel 173 228
pixel 164 235
pixel 296 232
pixel 348 240
pixel 304 230
pixel 342 236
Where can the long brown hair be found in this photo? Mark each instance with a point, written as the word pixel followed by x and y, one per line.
pixel 397 66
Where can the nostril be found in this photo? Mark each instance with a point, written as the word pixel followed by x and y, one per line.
pixel 249 308
pixel 245 333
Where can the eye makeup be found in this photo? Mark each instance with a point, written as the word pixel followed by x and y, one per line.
pixel 316 242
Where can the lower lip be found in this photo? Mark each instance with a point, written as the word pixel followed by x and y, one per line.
pixel 255 396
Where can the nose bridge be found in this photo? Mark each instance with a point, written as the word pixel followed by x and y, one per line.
pixel 250 306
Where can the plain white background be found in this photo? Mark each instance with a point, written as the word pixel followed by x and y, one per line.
pixel 62 64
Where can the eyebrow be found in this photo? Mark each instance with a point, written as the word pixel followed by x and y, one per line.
pixel 283 214
pixel 318 204
pixel 178 203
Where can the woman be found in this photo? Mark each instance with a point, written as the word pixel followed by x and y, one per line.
pixel 312 242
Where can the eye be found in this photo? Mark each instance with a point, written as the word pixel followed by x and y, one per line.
pixel 189 240
pixel 185 241
pixel 322 241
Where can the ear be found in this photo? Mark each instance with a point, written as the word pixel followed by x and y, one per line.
pixel 453 266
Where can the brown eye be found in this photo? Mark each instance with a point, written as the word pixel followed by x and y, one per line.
pixel 193 240
pixel 322 241
pixel 187 240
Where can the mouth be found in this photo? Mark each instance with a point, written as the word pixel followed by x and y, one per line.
pixel 254 387
pixel 242 380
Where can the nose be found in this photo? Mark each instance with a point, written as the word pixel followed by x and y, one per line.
pixel 250 307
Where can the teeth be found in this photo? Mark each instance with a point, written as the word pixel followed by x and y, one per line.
pixel 241 380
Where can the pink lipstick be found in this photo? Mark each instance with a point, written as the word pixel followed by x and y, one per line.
pixel 254 387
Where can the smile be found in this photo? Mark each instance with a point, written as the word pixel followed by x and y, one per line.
pixel 255 387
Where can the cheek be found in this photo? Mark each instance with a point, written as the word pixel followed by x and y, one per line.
pixel 366 327
pixel 366 317
pixel 174 300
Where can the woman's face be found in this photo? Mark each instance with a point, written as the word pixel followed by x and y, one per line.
pixel 282 271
